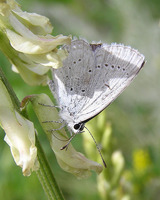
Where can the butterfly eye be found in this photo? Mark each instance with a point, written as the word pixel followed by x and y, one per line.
pixel 76 126
pixel 79 126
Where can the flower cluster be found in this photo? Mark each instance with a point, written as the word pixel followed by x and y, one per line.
pixel 27 41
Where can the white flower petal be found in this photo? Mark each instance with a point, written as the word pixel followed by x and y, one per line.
pixel 41 63
pixel 35 46
pixel 36 20
pixel 21 29
pixel 32 75
pixel 20 137
pixel 20 134
pixel 72 161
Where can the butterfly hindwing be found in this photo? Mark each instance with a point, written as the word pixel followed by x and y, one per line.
pixel 118 66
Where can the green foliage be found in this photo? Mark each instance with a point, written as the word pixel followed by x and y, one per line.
pixel 152 6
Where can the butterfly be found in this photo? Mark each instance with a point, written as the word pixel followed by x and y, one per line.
pixel 92 77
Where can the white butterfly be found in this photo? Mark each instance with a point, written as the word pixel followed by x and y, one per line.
pixel 92 76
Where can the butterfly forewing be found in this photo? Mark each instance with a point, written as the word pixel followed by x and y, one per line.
pixel 92 76
pixel 74 76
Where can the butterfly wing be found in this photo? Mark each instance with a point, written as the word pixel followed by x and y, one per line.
pixel 93 76
pixel 71 82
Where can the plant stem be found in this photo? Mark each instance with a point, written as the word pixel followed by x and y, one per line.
pixel 12 94
pixel 46 177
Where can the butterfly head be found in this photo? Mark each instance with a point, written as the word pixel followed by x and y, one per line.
pixel 76 127
pixel 79 127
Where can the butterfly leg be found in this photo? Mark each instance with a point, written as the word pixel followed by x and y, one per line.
pixel 57 129
pixel 66 146
pixel 52 121
pixel 48 105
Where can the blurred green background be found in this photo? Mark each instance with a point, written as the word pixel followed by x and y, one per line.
pixel 134 116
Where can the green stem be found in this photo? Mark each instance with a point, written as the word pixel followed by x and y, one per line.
pixel 46 177
pixel 13 96
pixel 44 174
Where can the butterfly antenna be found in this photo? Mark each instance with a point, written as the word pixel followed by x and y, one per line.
pixel 104 163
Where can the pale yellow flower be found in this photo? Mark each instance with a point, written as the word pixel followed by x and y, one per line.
pixel 20 134
pixel 70 160
pixel 35 49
